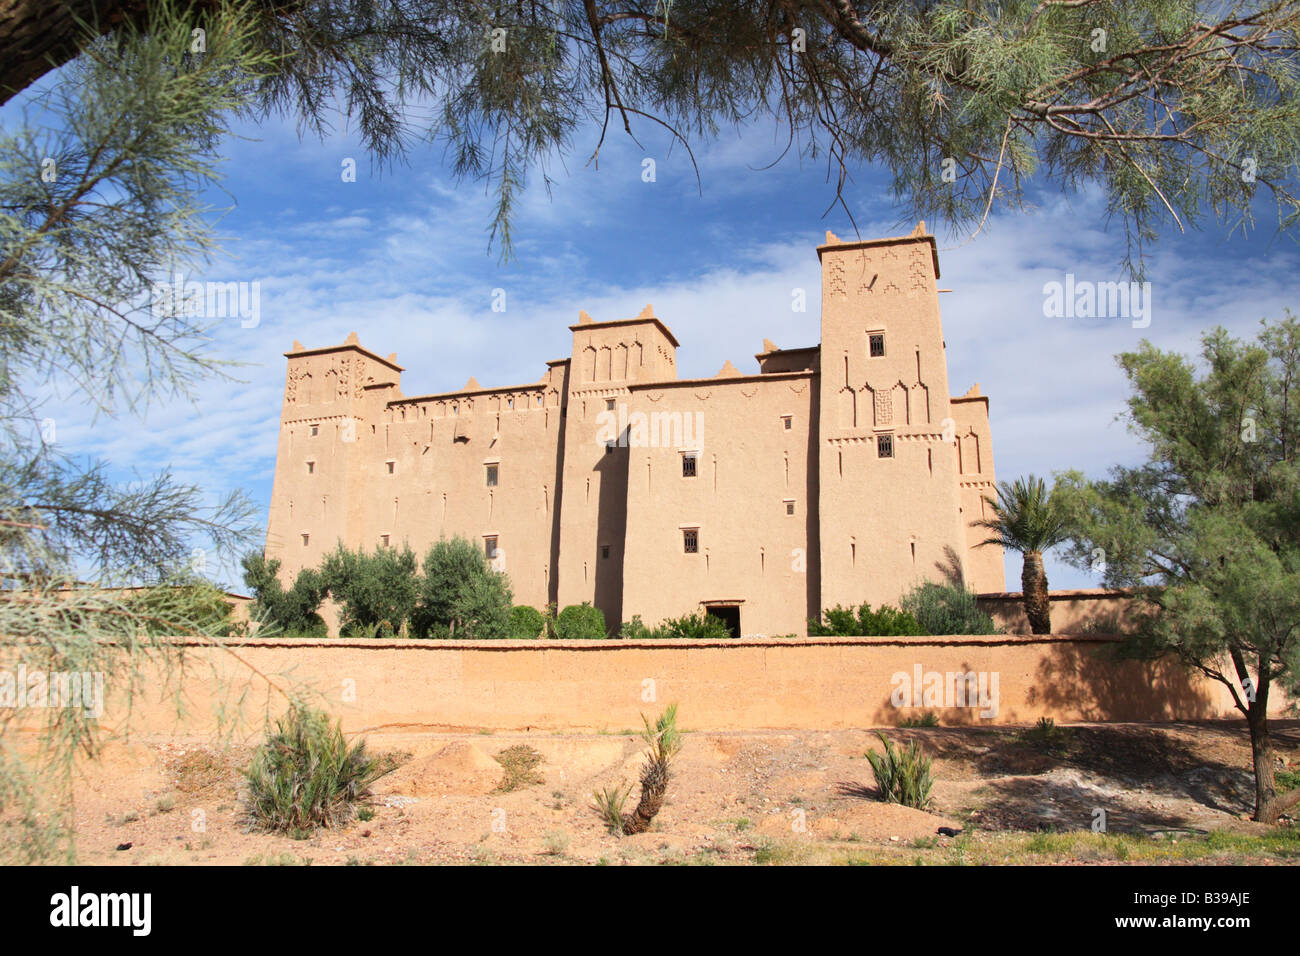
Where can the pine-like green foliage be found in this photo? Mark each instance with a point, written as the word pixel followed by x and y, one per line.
pixel 462 595
pixel 947 609
pixel 306 775
pixel 902 776
pixel 377 592
pixel 885 621
pixel 1173 109
pixel 293 613
pixel 581 622
pixel 1208 528
pixel 99 182
pixel 187 605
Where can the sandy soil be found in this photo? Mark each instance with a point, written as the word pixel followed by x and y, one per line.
pixel 177 801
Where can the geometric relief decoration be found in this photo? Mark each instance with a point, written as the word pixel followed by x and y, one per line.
pixel 838 287
pixel 884 405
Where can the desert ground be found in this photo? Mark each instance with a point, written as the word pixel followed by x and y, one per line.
pixel 1177 793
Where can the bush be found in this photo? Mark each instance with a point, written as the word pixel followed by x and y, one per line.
pixel 580 622
pixel 699 626
pixel 182 606
pixel 902 776
pixel 461 595
pixel 636 630
pixel 885 622
pixel 525 622
pixel 306 776
pixel 947 609
pixel 293 612
pixel 376 590
pixel 927 719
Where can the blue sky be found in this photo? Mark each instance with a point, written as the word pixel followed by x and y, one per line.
pixel 402 258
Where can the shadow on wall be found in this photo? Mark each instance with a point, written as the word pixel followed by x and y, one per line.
pixel 980 698
pixel 611 532
pixel 1091 682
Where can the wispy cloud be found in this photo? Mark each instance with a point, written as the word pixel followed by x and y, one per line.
pixel 403 260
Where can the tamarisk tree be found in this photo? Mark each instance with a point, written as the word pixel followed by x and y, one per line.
pixel 1208 529
pixel 1172 108
pixel 99 181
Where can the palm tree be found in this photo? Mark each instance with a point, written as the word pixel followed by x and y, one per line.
pixel 1026 519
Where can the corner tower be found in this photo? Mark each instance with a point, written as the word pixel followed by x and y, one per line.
pixel 888 461
pixel 333 399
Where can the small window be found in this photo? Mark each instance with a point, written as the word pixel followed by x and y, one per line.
pixel 691 540
pixel 688 465
pixel 510 403
pixel 787 422
pixel 491 476
pixel 789 507
pixel 609 404
pixel 490 546
pixel 604 551
pixel 876 340
pixel 311 467
pixel 315 430
pixel 884 446
pixel 455 409
pixel 383 540
pixel 392 466
pixel 305 539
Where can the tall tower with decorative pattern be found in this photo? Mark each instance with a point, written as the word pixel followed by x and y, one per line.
pixel 891 507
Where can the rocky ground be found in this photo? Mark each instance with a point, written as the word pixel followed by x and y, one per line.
pixel 763 796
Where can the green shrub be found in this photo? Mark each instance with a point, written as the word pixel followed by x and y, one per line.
pixel 520 763
pixel 580 622
pixel 307 776
pixel 1045 733
pixel 184 605
pixel 927 719
pixel 947 609
pixel 376 590
pixel 462 595
pixel 525 622
pixel 291 613
pixel 699 626
pixel 1287 780
pixel 840 622
pixel 903 776
pixel 636 630
pixel 885 622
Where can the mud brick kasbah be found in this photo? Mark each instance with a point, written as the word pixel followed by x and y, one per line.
pixel 840 472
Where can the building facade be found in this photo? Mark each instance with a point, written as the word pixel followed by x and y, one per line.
pixel 838 473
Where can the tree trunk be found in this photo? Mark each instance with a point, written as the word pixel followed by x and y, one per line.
pixel 1033 592
pixel 1261 753
pixel 654 784
pixel 37 36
